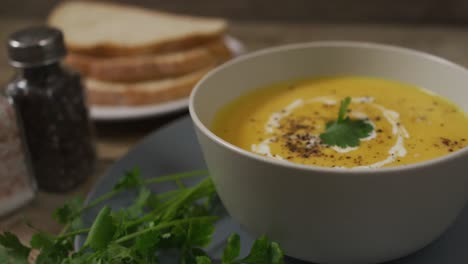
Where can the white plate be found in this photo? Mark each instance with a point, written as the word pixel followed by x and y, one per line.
pixel 110 113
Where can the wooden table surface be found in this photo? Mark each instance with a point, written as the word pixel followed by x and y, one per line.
pixel 116 138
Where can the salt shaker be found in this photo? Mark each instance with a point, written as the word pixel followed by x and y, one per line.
pixel 17 187
pixel 50 104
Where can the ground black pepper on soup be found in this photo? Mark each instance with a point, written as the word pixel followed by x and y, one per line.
pixel 382 123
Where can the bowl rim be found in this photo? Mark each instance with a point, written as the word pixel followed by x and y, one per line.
pixel 319 169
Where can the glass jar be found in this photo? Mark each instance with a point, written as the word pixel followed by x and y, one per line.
pixel 17 186
pixel 50 104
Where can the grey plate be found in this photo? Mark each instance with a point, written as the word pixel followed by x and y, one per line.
pixel 174 148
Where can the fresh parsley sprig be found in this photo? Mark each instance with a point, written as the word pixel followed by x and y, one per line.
pixel 345 132
pixel 142 232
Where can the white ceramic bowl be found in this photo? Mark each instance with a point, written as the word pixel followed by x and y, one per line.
pixel 330 215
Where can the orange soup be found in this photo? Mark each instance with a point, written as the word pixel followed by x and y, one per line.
pixel 286 121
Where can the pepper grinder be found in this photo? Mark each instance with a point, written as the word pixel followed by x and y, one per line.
pixel 50 105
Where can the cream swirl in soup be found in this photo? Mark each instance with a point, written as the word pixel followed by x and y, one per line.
pixel 284 121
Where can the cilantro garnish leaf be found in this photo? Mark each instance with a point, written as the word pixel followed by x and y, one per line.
pixel 180 221
pixel 102 230
pixel 146 245
pixel 137 208
pixel 345 132
pixel 263 251
pixel 12 249
pixel 41 240
pixel 52 250
pixel 199 234
pixel 131 180
pixel 203 260
pixel 68 211
pixel 276 253
pixel 232 250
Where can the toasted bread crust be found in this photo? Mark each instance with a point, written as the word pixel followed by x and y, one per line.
pixel 141 93
pixel 110 49
pixel 150 67
pixel 106 50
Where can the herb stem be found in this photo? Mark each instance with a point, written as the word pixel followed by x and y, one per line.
pixel 168 194
pixel 73 233
pixel 193 193
pixel 172 177
pixel 99 200
pixel 170 206
pixel 65 229
pixel 104 197
pixel 153 213
pixel 180 184
pixel 166 225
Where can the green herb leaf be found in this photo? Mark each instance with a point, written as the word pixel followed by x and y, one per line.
pixel 203 260
pixel 13 250
pixel 190 255
pixel 199 233
pixel 136 209
pixel 131 180
pixel 53 250
pixel 345 132
pixel 76 224
pixel 6 257
pixel 147 243
pixel 277 254
pixel 79 258
pixel 119 254
pixel 102 230
pixel 189 196
pixel 41 240
pixel 197 252
pixel 259 252
pixel 68 211
pixel 232 249
pixel 264 252
pixel 120 218
pixel 153 201
pixel 180 220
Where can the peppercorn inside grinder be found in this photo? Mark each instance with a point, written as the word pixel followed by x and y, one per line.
pixel 49 101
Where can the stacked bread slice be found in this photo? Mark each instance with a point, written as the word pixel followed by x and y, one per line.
pixel 133 56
